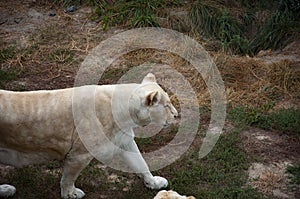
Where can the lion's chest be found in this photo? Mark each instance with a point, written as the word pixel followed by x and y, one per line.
pixel 106 148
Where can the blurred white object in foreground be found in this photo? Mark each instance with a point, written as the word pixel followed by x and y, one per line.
pixel 7 190
pixel 171 195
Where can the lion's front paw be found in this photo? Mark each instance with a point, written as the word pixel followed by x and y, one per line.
pixel 157 182
pixel 74 194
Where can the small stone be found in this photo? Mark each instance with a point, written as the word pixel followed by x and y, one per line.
pixel 17 20
pixel 52 14
pixel 263 137
pixel 71 9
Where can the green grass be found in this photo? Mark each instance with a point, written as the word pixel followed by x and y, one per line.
pixel 31 182
pixel 283 120
pixel 258 4
pixel 295 172
pixel 214 19
pixel 8 58
pixel 61 55
pixel 6 76
pixel 277 32
pixel 221 174
pixel 7 53
pixel 131 13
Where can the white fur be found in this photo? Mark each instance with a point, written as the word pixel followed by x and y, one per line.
pixel 163 194
pixel 38 126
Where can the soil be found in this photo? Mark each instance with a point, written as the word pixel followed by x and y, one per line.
pixel 273 152
pixel 22 20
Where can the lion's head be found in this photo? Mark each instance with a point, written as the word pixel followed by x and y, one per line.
pixel 150 103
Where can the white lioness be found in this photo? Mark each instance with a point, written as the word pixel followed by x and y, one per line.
pixel 39 126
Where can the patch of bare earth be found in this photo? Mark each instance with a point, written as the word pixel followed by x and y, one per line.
pixel 273 152
pixel 50 48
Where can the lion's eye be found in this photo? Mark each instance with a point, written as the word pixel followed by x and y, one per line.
pixel 167 106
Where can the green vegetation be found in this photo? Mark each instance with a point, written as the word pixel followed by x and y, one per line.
pixel 7 53
pixel 221 174
pixel 132 13
pixel 295 171
pixel 284 120
pixel 240 27
pixel 61 55
pixel 279 29
pixel 6 76
pixel 214 20
pixel 32 182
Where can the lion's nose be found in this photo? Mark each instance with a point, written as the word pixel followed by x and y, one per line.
pixel 174 112
pixel 176 115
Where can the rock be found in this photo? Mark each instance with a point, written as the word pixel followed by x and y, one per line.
pixel 263 137
pixel 71 9
pixel 52 14
pixel 17 20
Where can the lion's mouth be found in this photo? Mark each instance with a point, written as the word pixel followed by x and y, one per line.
pixel 166 124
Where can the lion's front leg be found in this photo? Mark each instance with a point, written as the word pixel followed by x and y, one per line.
pixel 135 160
pixel 73 165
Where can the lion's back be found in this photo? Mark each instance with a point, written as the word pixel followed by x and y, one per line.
pixel 36 121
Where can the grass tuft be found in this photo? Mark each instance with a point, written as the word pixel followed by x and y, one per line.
pixel 234 29
pixel 6 76
pixel 132 13
pixel 7 53
pixel 295 171
pixel 61 55
pixel 214 20
pixel 277 32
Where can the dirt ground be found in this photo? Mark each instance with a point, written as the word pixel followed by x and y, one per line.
pixel 28 24
pixel 274 153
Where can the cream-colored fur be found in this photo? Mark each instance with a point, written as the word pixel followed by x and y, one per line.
pixel 171 195
pixel 39 126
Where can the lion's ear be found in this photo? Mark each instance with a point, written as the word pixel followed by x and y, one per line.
pixel 152 98
pixel 149 78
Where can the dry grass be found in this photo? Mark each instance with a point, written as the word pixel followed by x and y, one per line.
pixel 267 178
pixel 268 182
pixel 248 81
pixel 252 82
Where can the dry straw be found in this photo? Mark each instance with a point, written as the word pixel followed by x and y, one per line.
pixel 248 81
